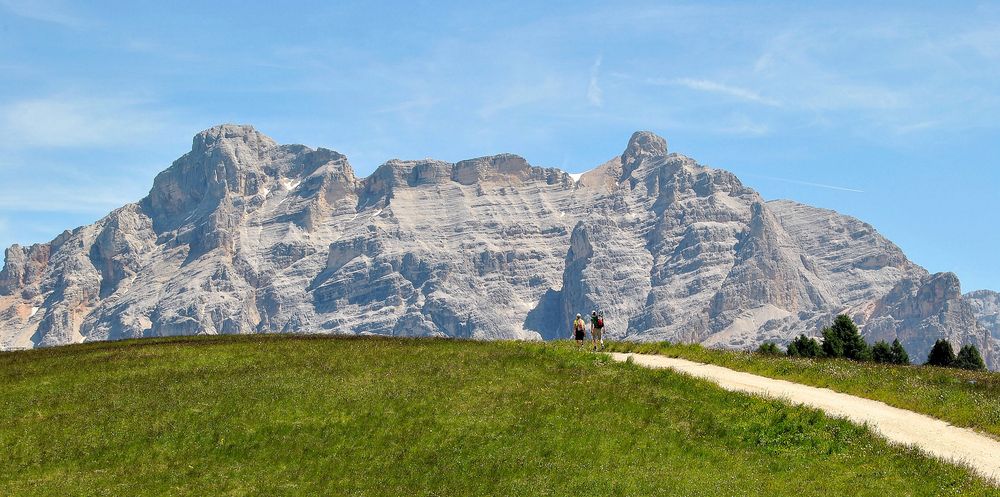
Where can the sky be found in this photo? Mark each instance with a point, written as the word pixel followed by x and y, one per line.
pixel 887 112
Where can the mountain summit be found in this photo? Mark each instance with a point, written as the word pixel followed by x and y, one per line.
pixel 243 235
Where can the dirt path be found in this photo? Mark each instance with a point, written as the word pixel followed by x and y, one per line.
pixel 933 436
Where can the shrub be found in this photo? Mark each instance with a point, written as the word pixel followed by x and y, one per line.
pixel 804 346
pixel 844 340
pixel 768 348
pixel 882 352
pixel 941 354
pixel 899 355
pixel 969 358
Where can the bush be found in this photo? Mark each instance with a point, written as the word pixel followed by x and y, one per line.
pixel 969 358
pixel 844 340
pixel 941 354
pixel 804 346
pixel 768 348
pixel 882 352
pixel 899 355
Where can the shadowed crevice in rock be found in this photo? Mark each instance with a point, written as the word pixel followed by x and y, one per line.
pixel 547 318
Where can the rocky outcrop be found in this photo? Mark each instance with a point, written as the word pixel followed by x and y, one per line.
pixel 986 306
pixel 920 311
pixel 243 235
pixel 852 262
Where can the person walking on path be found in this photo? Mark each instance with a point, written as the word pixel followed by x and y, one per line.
pixel 597 329
pixel 579 330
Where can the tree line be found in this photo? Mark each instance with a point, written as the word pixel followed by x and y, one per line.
pixel 844 340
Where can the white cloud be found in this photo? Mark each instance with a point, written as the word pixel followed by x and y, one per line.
pixel 917 126
pixel 70 121
pixel 743 125
pixel 54 12
pixel 521 94
pixel 723 89
pixel 97 197
pixel 794 64
pixel 594 94
pixel 984 42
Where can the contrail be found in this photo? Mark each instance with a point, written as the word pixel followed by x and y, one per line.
pixel 808 183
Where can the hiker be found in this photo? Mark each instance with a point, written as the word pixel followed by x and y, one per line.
pixel 579 330
pixel 597 329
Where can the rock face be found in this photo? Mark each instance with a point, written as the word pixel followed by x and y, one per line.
pixel 986 306
pixel 243 235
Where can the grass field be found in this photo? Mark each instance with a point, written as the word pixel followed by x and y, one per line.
pixel 963 398
pixel 282 415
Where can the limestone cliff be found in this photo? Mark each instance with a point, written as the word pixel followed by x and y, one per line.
pixel 243 235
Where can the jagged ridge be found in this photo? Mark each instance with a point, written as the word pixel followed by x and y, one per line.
pixel 243 235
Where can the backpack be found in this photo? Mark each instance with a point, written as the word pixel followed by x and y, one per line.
pixel 600 321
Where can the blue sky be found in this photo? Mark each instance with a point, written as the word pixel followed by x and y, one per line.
pixel 887 113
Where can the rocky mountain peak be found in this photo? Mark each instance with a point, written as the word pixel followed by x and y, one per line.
pixel 234 135
pixel 644 144
pixel 223 159
pixel 642 147
pixel 985 295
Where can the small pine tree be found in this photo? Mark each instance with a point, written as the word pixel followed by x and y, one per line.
pixel 833 346
pixel 881 352
pixel 804 346
pixel 844 340
pixel 969 358
pixel 768 348
pixel 899 355
pixel 941 354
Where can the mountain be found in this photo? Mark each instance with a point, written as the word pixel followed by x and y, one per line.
pixel 986 306
pixel 243 235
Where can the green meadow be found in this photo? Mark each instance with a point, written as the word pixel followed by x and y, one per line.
pixel 302 415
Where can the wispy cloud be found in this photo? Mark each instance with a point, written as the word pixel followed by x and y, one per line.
pixel 743 125
pixel 904 129
pixel 54 12
pixel 95 197
pixel 806 183
pixel 794 62
pixel 417 103
pixel 594 94
pixel 521 94
pixel 79 121
pixel 736 92
pixel 162 50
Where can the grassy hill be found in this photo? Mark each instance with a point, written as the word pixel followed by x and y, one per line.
pixel 282 415
pixel 963 398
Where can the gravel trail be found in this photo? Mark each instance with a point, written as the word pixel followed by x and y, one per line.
pixel 932 436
